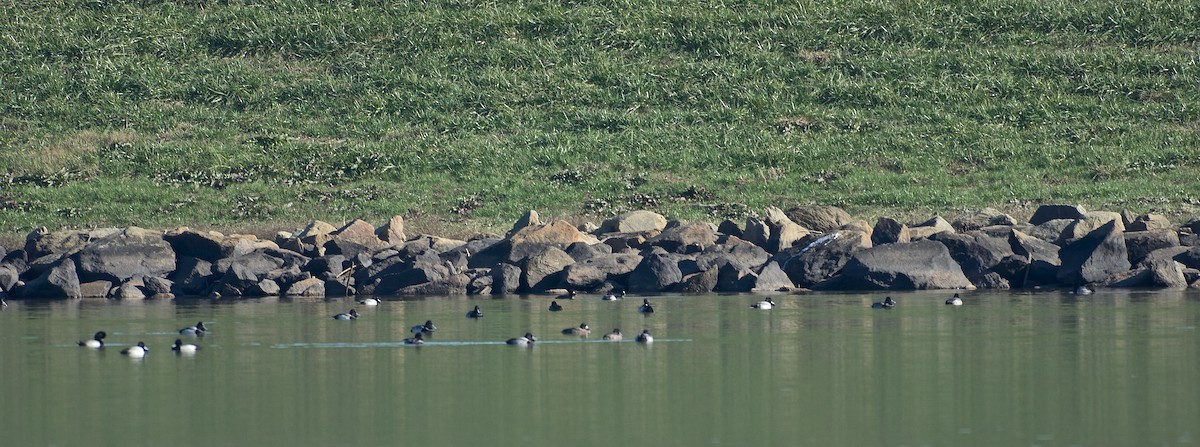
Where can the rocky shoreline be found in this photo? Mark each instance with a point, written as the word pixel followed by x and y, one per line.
pixel 803 248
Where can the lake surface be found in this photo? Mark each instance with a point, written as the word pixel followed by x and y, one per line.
pixel 1005 369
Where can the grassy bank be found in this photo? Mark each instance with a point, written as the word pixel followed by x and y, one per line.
pixel 467 113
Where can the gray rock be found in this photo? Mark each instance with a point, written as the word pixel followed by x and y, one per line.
pixel 975 253
pixel 772 279
pixel 594 272
pixel 130 291
pixel 506 279
pixel 991 280
pixel 819 218
pixel 542 270
pixel 915 265
pixel 258 263
pixel 1148 222
pixel 730 278
pixel 582 251
pixel 633 222
pixel 186 242
pixel 125 254
pixel 450 285
pixel 392 233
pixel 59 281
pixel 1094 257
pixel 685 238
pixel 480 283
pixel 1139 244
pixel 311 287
pixel 1046 213
pixel 655 273
pixel 1168 274
pixel 1190 258
pixel 824 257
pixel 982 218
pixel 700 282
pixel 729 228
pixel 742 254
pixel 889 231
pixel 95 289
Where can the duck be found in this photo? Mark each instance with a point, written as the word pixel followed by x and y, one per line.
pixel 646 308
pixel 614 335
pixel 475 313
pixel 370 301
pixel 197 330
pixel 352 315
pixel 526 340
pixel 426 328
pixel 570 295
pixel 1082 290
pixel 554 307
pixel 954 301
pixel 645 337
pixel 417 339
pixel 887 303
pixel 96 342
pixel 140 350
pixel 764 304
pixel 181 348
pixel 613 297
pixel 582 331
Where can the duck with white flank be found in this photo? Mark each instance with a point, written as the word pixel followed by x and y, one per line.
pixel 197 330
pixel 887 303
pixel 136 351
pixel 526 340
pixel 417 339
pixel 570 295
pixel 96 342
pixel 615 335
pixel 370 302
pixel 646 308
pixel 352 315
pixel 614 296
pixel 764 304
pixel 582 331
pixel 645 337
pixel 426 328
pixel 954 301
pixel 181 348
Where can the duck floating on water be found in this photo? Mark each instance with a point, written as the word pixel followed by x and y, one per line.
pixel 887 303
pixel 954 300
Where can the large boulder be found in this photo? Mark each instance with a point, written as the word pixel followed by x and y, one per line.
pixel 976 253
pixel 392 233
pixel 889 231
pixel 934 225
pixel 685 238
pixel 1034 261
pixel 819 218
pixel 543 269
pixel 823 257
pixel 311 287
pixel 591 273
pixel 1148 222
pixel 534 239
pixel 771 278
pixel 360 232
pixel 784 232
pixel 736 251
pixel 915 265
pixel 123 255
pixel 657 272
pixel 634 222
pixel 59 281
pixel 983 218
pixel 506 279
pixel 186 242
pixel 700 282
pixel 1094 257
pixel 41 242
pixel 1138 244
pixel 192 277
pixel 1046 213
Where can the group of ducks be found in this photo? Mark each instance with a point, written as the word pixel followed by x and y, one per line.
pixel 420 331
pixel 140 350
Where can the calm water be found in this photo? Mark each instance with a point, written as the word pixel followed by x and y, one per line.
pixel 1020 369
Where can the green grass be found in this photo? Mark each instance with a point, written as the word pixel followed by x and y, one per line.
pixel 464 114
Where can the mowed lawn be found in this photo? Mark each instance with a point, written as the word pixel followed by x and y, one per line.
pixel 461 115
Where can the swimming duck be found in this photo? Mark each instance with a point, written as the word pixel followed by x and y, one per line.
pixel 182 348
pixel 614 335
pixel 352 315
pixel 645 337
pixel 646 308
pixel 764 304
pixel 570 295
pixel 887 303
pixel 427 328
pixel 197 330
pixel 475 313
pixel 370 301
pixel 582 331
pixel 1083 290
pixel 136 351
pixel 526 340
pixel 417 339
pixel 613 296
pixel 554 307
pixel 954 301
pixel 96 342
